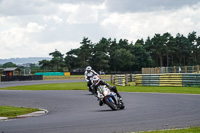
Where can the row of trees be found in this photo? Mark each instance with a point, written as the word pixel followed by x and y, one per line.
pixel 113 55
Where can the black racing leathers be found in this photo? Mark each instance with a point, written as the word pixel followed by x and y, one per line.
pixel 88 76
pixel 101 82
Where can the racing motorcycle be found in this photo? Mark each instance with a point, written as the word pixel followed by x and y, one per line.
pixel 109 98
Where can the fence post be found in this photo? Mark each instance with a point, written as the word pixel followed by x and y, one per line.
pixel 192 69
pixel 111 78
pixel 126 79
pixel 185 69
pixel 131 77
pixel 197 68
pixel 174 69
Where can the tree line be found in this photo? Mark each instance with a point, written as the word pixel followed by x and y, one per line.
pixel 112 55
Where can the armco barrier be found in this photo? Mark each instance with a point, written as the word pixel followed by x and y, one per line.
pixel 119 80
pixel 170 79
pixel 21 78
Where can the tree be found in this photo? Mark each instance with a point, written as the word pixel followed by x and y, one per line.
pixel 183 49
pixel 57 60
pixel 123 60
pixel 194 45
pixel 44 64
pixel 100 57
pixel 85 52
pixel 9 64
pixel 72 59
pixel 142 57
pixel 159 47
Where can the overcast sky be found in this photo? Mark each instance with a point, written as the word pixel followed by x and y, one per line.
pixel 34 28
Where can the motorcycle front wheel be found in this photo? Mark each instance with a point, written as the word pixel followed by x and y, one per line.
pixel 110 103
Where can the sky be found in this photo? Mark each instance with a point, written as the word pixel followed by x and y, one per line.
pixel 35 28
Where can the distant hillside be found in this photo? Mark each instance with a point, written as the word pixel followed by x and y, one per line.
pixel 24 60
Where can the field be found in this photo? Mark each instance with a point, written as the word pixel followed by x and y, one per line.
pixel 187 130
pixel 71 77
pixel 10 112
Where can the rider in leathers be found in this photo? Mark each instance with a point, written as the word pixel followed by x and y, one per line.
pixel 97 82
pixel 89 73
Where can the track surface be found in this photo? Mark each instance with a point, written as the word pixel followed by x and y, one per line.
pixel 79 112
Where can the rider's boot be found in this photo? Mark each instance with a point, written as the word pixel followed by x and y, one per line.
pixel 100 102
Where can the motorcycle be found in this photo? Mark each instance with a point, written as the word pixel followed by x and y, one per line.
pixel 109 98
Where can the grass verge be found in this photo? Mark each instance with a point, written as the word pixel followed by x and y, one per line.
pixel 71 77
pixel 83 86
pixel 10 111
pixel 187 130
pixel 57 86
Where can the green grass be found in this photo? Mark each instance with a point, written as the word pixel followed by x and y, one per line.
pixel 187 130
pixel 83 86
pixel 158 89
pixel 57 86
pixel 10 112
pixel 71 77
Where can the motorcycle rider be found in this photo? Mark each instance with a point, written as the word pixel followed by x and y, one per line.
pixel 97 82
pixel 89 73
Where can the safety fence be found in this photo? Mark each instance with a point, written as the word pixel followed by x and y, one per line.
pixel 169 79
pixel 122 79
pixel 175 69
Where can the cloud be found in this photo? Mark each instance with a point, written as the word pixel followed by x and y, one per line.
pixel 78 1
pixel 146 5
pixel 26 7
pixel 133 26
pixel 83 14
pixel 36 28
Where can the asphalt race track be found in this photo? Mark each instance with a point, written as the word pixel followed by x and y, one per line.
pixel 79 112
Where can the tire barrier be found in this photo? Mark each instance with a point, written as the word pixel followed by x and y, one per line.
pixel 191 80
pixel 119 80
pixel 170 79
pixel 21 78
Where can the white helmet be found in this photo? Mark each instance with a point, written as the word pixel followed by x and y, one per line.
pixel 96 80
pixel 88 68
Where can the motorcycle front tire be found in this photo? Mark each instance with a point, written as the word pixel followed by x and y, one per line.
pixel 112 105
